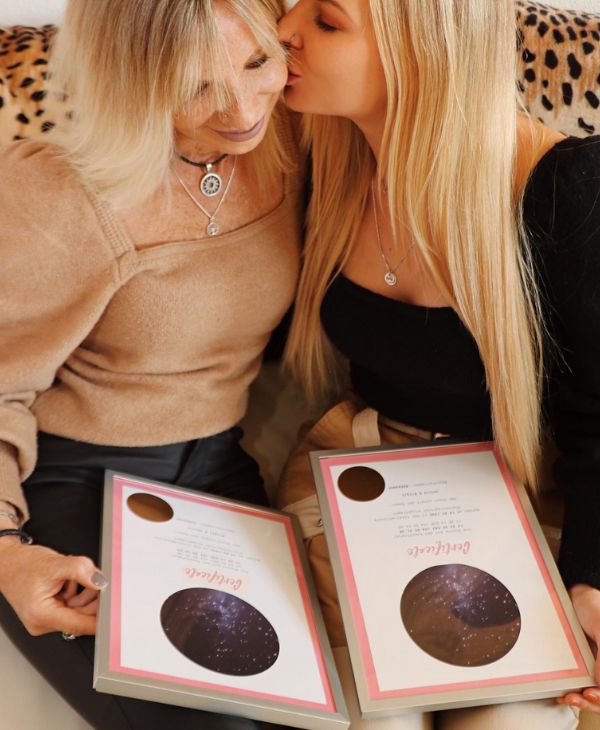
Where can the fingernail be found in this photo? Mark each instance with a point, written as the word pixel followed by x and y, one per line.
pixel 99 580
pixel 592 696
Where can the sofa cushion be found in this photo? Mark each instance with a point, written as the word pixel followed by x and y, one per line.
pixel 26 107
pixel 559 53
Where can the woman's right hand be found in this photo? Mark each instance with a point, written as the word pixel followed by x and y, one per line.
pixel 38 583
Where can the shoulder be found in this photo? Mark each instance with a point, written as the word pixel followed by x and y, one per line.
pixel 45 211
pixel 562 197
pixel 39 174
pixel 33 156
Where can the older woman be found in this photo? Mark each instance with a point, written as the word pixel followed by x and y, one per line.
pixel 147 256
pixel 453 257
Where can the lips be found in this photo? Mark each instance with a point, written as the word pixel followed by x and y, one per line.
pixel 292 78
pixel 235 136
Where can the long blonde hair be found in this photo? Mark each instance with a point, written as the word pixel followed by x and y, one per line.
pixel 128 66
pixel 448 158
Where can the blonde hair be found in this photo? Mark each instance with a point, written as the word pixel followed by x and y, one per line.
pixel 448 158
pixel 128 66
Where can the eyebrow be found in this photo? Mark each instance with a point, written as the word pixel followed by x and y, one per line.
pixel 337 5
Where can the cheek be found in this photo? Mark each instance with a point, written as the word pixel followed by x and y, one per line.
pixel 355 83
pixel 369 85
pixel 274 78
pixel 336 76
pixel 330 62
pixel 193 117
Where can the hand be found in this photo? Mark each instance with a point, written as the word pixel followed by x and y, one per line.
pixel 586 601
pixel 85 601
pixel 41 585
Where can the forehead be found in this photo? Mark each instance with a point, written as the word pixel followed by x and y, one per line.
pixel 235 35
pixel 357 10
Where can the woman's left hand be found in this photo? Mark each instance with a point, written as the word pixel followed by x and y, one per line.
pixel 85 601
pixel 586 601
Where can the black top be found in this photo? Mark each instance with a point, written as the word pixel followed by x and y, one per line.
pixel 420 365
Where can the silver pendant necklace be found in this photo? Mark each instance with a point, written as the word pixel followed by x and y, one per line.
pixel 212 229
pixel 211 182
pixel 390 277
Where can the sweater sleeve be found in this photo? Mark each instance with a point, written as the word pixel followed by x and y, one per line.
pixel 57 275
pixel 565 208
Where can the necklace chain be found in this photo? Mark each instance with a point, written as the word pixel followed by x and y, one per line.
pixel 203 165
pixel 213 227
pixel 390 277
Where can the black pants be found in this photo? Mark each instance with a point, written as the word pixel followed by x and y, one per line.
pixel 65 496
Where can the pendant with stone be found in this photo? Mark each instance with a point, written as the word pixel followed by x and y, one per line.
pixel 390 278
pixel 211 183
pixel 213 227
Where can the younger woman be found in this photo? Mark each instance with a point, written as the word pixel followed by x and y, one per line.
pixel 453 257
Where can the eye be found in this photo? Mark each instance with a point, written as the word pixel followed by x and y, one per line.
pixel 204 87
pixel 257 63
pixel 325 27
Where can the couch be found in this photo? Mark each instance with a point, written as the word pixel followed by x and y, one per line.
pixel 559 79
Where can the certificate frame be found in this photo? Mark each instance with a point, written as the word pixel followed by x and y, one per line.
pixel 219 693
pixel 377 702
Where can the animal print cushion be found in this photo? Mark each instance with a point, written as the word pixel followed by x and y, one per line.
pixel 560 56
pixel 26 107
pixel 559 52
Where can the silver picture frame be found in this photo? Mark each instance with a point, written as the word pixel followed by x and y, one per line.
pixel 449 692
pixel 211 691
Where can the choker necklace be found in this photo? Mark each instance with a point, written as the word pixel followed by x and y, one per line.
pixel 213 227
pixel 390 277
pixel 211 183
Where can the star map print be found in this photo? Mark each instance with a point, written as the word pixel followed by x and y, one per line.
pixel 219 631
pixel 460 615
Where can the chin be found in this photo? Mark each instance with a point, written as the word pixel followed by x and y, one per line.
pixel 252 144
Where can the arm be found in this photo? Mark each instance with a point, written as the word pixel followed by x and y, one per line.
pixel 566 211
pixel 57 276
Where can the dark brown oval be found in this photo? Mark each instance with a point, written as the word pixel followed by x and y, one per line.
pixel 150 507
pixel 361 483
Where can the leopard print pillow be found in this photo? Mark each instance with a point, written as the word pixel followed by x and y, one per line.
pixel 560 59
pixel 27 109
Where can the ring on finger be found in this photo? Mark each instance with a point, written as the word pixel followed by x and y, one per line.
pixel 67 636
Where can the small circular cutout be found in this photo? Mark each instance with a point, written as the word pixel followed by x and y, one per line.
pixel 150 507
pixel 219 631
pixel 460 615
pixel 361 483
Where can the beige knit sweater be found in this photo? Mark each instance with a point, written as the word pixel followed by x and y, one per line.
pixel 107 344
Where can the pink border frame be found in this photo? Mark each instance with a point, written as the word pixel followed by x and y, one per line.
pixel 375 693
pixel 114 662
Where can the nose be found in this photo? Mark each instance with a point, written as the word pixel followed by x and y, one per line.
pixel 242 115
pixel 248 105
pixel 289 29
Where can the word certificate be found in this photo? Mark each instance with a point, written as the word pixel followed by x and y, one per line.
pixel 209 606
pixel 449 594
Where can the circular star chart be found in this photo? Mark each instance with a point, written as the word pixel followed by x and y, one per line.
pixel 460 615
pixel 219 631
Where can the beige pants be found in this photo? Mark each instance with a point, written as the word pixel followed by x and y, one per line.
pixel 347 426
